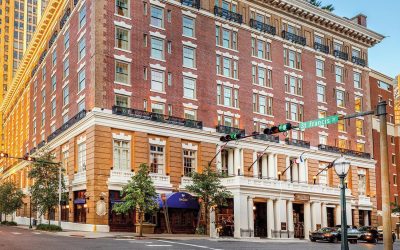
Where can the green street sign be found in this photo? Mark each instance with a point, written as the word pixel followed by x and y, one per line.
pixel 319 122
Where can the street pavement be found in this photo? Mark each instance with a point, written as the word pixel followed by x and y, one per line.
pixel 13 238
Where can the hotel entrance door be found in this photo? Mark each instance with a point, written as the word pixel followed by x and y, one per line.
pixel 298 220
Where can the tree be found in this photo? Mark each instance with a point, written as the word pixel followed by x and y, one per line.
pixel 207 186
pixel 10 198
pixel 396 207
pixel 44 191
pixel 318 3
pixel 139 194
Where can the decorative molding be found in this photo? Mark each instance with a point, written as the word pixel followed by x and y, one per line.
pixel 123 58
pixel 122 92
pixel 158 66
pixel 122 136
pixel 190 106
pixel 122 24
pixel 157 34
pixel 158 99
pixel 157 141
pixel 190 146
pixel 81 139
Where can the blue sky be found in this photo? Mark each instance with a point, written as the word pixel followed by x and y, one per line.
pixel 383 17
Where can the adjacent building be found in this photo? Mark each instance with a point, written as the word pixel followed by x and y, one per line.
pixel 383 88
pixel 108 85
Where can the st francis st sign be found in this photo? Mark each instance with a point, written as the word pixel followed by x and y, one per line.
pixel 319 122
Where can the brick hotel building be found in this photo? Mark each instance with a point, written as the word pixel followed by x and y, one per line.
pixel 108 85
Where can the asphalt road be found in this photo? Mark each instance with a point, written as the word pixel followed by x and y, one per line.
pixel 12 238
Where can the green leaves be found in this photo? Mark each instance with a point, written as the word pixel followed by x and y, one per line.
pixel 45 176
pixel 10 198
pixel 317 3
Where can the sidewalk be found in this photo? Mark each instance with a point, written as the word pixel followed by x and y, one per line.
pixel 127 235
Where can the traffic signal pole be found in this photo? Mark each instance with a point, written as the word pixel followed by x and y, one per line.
pixel 386 211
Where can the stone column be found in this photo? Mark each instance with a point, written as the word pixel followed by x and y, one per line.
pixel 271 166
pixel 349 214
pixel 302 171
pixel 277 211
pixel 218 159
pixel 270 217
pixel 250 217
pixel 237 213
pixel 307 219
pixel 324 216
pixel 213 231
pixel 338 219
pixel 290 218
pixel 295 172
pixel 316 215
pixel 288 172
pixel 366 218
pixel 230 162
pixel 255 165
pixel 264 166
pixel 237 162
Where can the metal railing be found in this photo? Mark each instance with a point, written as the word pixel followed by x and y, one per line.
pixel 263 27
pixel 227 14
pixel 191 3
pixel 41 144
pixel 359 61
pixel 294 38
pixel 333 149
pixel 321 47
pixel 141 114
pixel 265 137
pixel 228 130
pixel 340 54
pixel 67 125
pixel 297 142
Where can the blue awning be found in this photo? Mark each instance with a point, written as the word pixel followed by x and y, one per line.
pixel 179 200
pixel 80 201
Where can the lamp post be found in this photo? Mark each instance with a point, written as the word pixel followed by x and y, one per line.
pixel 30 210
pixel 342 167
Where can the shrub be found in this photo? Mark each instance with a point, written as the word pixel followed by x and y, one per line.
pixel 47 227
pixel 9 223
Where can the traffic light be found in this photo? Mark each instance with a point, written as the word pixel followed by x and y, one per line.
pixel 3 155
pixel 231 137
pixel 29 158
pixel 278 129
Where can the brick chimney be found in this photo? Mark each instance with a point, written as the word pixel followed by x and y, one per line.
pixel 360 19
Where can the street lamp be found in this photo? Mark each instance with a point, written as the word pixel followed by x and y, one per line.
pixel 342 167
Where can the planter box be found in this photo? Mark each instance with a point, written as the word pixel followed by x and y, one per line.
pixel 147 228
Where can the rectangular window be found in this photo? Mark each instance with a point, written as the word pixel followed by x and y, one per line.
pixel 121 155
pixel 81 48
pixel 66 68
pixel 190 114
pixel 342 143
pixel 189 57
pixel 395 180
pixel 262 104
pixel 44 73
pixel 227 96
pixel 321 95
pixel 360 147
pixel 360 127
pixel 189 88
pixel 362 183
pixel 122 70
pixel 294 111
pixel 81 157
pixel 66 95
pixel 357 80
pixel 53 83
pixel 226 38
pixel 157 80
pixel 340 98
pixel 34 127
pixel 358 104
pixel 188 25
pixel 122 101
pixel 158 108
pixel 53 107
pixel 43 118
pixel 157 48
pixel 122 38
pixel 157 159
pixel 384 85
pixel 393 159
pixel 189 162
pixel 293 85
pixel 66 40
pixel 54 58
pixel 157 16
pixel 43 96
pixel 122 7
pixel 323 139
pixel 341 126
pixel 82 16
pixel 81 105
pixel 320 65
pixel 81 80
pixel 322 114
pixel 339 74
pixel 292 58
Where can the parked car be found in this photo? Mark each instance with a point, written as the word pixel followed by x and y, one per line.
pixel 380 232
pixel 368 234
pixel 326 234
pixel 352 234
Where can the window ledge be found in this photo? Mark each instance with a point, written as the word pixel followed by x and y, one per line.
pixel 124 17
pixel 299 70
pixel 123 50
pixel 222 47
pixel 190 37
pixel 160 28
pixel 220 105
pixel 266 115
pixel 162 60
pixel 158 91
pixel 263 59
pixel 228 77
pixel 121 83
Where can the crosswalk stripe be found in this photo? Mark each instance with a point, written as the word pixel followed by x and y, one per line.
pixel 158 245
pixel 15 233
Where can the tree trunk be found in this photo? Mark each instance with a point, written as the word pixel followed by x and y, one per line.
pixel 206 217
pixel 199 217
pixel 141 215
pixel 48 216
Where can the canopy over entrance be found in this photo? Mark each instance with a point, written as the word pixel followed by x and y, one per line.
pixel 179 200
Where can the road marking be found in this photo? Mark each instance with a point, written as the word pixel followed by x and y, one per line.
pixel 15 233
pixel 186 244
pixel 36 233
pixel 158 245
pixel 125 239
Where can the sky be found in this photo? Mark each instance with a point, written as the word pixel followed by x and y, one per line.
pixel 383 17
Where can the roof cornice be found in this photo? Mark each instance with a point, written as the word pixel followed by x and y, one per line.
pixel 327 19
pixel 31 55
